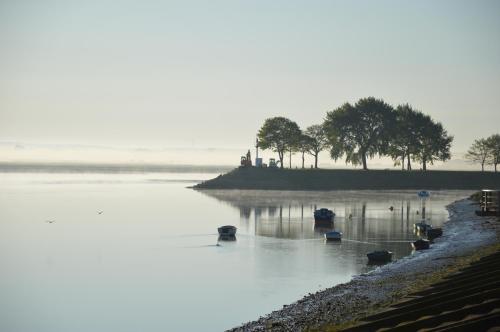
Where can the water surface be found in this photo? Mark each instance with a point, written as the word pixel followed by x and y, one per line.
pixel 149 261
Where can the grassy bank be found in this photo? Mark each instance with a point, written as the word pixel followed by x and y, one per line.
pixel 328 179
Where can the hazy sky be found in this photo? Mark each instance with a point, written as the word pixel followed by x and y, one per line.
pixel 207 73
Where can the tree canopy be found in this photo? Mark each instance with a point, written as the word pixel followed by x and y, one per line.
pixel 404 142
pixel 367 128
pixel 280 135
pixel 434 143
pixel 478 152
pixel 485 151
pixel 493 143
pixel 359 131
pixel 316 141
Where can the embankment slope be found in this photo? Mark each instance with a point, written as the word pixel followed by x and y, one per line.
pixel 339 179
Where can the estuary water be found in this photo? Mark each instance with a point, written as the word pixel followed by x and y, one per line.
pixel 140 252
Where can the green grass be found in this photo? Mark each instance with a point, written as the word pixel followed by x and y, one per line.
pixel 328 179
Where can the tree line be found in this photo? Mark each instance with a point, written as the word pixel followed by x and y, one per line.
pixel 358 132
pixel 485 151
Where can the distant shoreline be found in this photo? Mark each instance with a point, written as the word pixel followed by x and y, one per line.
pixel 343 179
pixel 77 167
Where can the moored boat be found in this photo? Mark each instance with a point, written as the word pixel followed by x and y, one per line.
pixel 379 256
pixel 422 227
pixel 421 244
pixel 423 194
pixel 227 232
pixel 333 236
pixel 433 233
pixel 324 215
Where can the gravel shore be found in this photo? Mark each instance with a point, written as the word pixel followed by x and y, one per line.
pixel 464 234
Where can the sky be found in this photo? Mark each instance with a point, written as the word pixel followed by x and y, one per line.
pixel 164 75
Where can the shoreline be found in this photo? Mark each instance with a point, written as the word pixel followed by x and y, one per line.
pixel 344 179
pixel 344 304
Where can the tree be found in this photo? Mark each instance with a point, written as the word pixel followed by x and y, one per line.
pixel 304 145
pixel 493 143
pixel 359 131
pixel 280 135
pixel 434 142
pixel 316 142
pixel 404 133
pixel 478 152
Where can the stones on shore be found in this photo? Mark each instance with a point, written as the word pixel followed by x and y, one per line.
pixel 348 301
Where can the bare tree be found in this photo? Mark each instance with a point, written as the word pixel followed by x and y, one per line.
pixel 478 153
pixel 494 147
pixel 316 141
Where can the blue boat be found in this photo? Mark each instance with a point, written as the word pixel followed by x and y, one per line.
pixel 333 236
pixel 423 194
pixel 324 215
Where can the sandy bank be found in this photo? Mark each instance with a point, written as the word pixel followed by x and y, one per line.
pixel 465 235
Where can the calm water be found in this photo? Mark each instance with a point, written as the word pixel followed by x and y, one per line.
pixel 149 261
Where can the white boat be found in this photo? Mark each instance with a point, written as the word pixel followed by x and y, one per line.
pixel 333 236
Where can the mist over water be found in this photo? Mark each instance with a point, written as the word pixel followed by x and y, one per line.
pixel 137 251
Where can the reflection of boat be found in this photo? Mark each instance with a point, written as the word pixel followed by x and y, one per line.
pixel 420 244
pixel 227 232
pixel 379 256
pixel 423 193
pixel 324 215
pixel 323 228
pixel 333 236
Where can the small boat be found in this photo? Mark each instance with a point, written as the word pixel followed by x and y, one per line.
pixel 422 227
pixel 333 236
pixel 227 232
pixel 324 215
pixel 420 244
pixel 423 193
pixel 433 233
pixel 379 256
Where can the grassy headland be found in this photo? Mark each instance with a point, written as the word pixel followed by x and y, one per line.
pixel 340 179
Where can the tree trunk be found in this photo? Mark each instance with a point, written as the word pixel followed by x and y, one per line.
pixel 424 164
pixel 496 168
pixel 290 158
pixel 303 159
pixel 403 162
pixel 482 167
pixel 316 160
pixel 363 158
pixel 281 155
pixel 408 166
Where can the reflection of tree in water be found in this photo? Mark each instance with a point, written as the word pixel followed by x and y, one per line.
pixel 257 212
pixel 245 211
pixel 360 214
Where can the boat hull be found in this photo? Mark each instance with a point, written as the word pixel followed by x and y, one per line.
pixel 324 215
pixel 379 256
pixel 227 233
pixel 421 244
pixel 333 236
pixel 433 233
